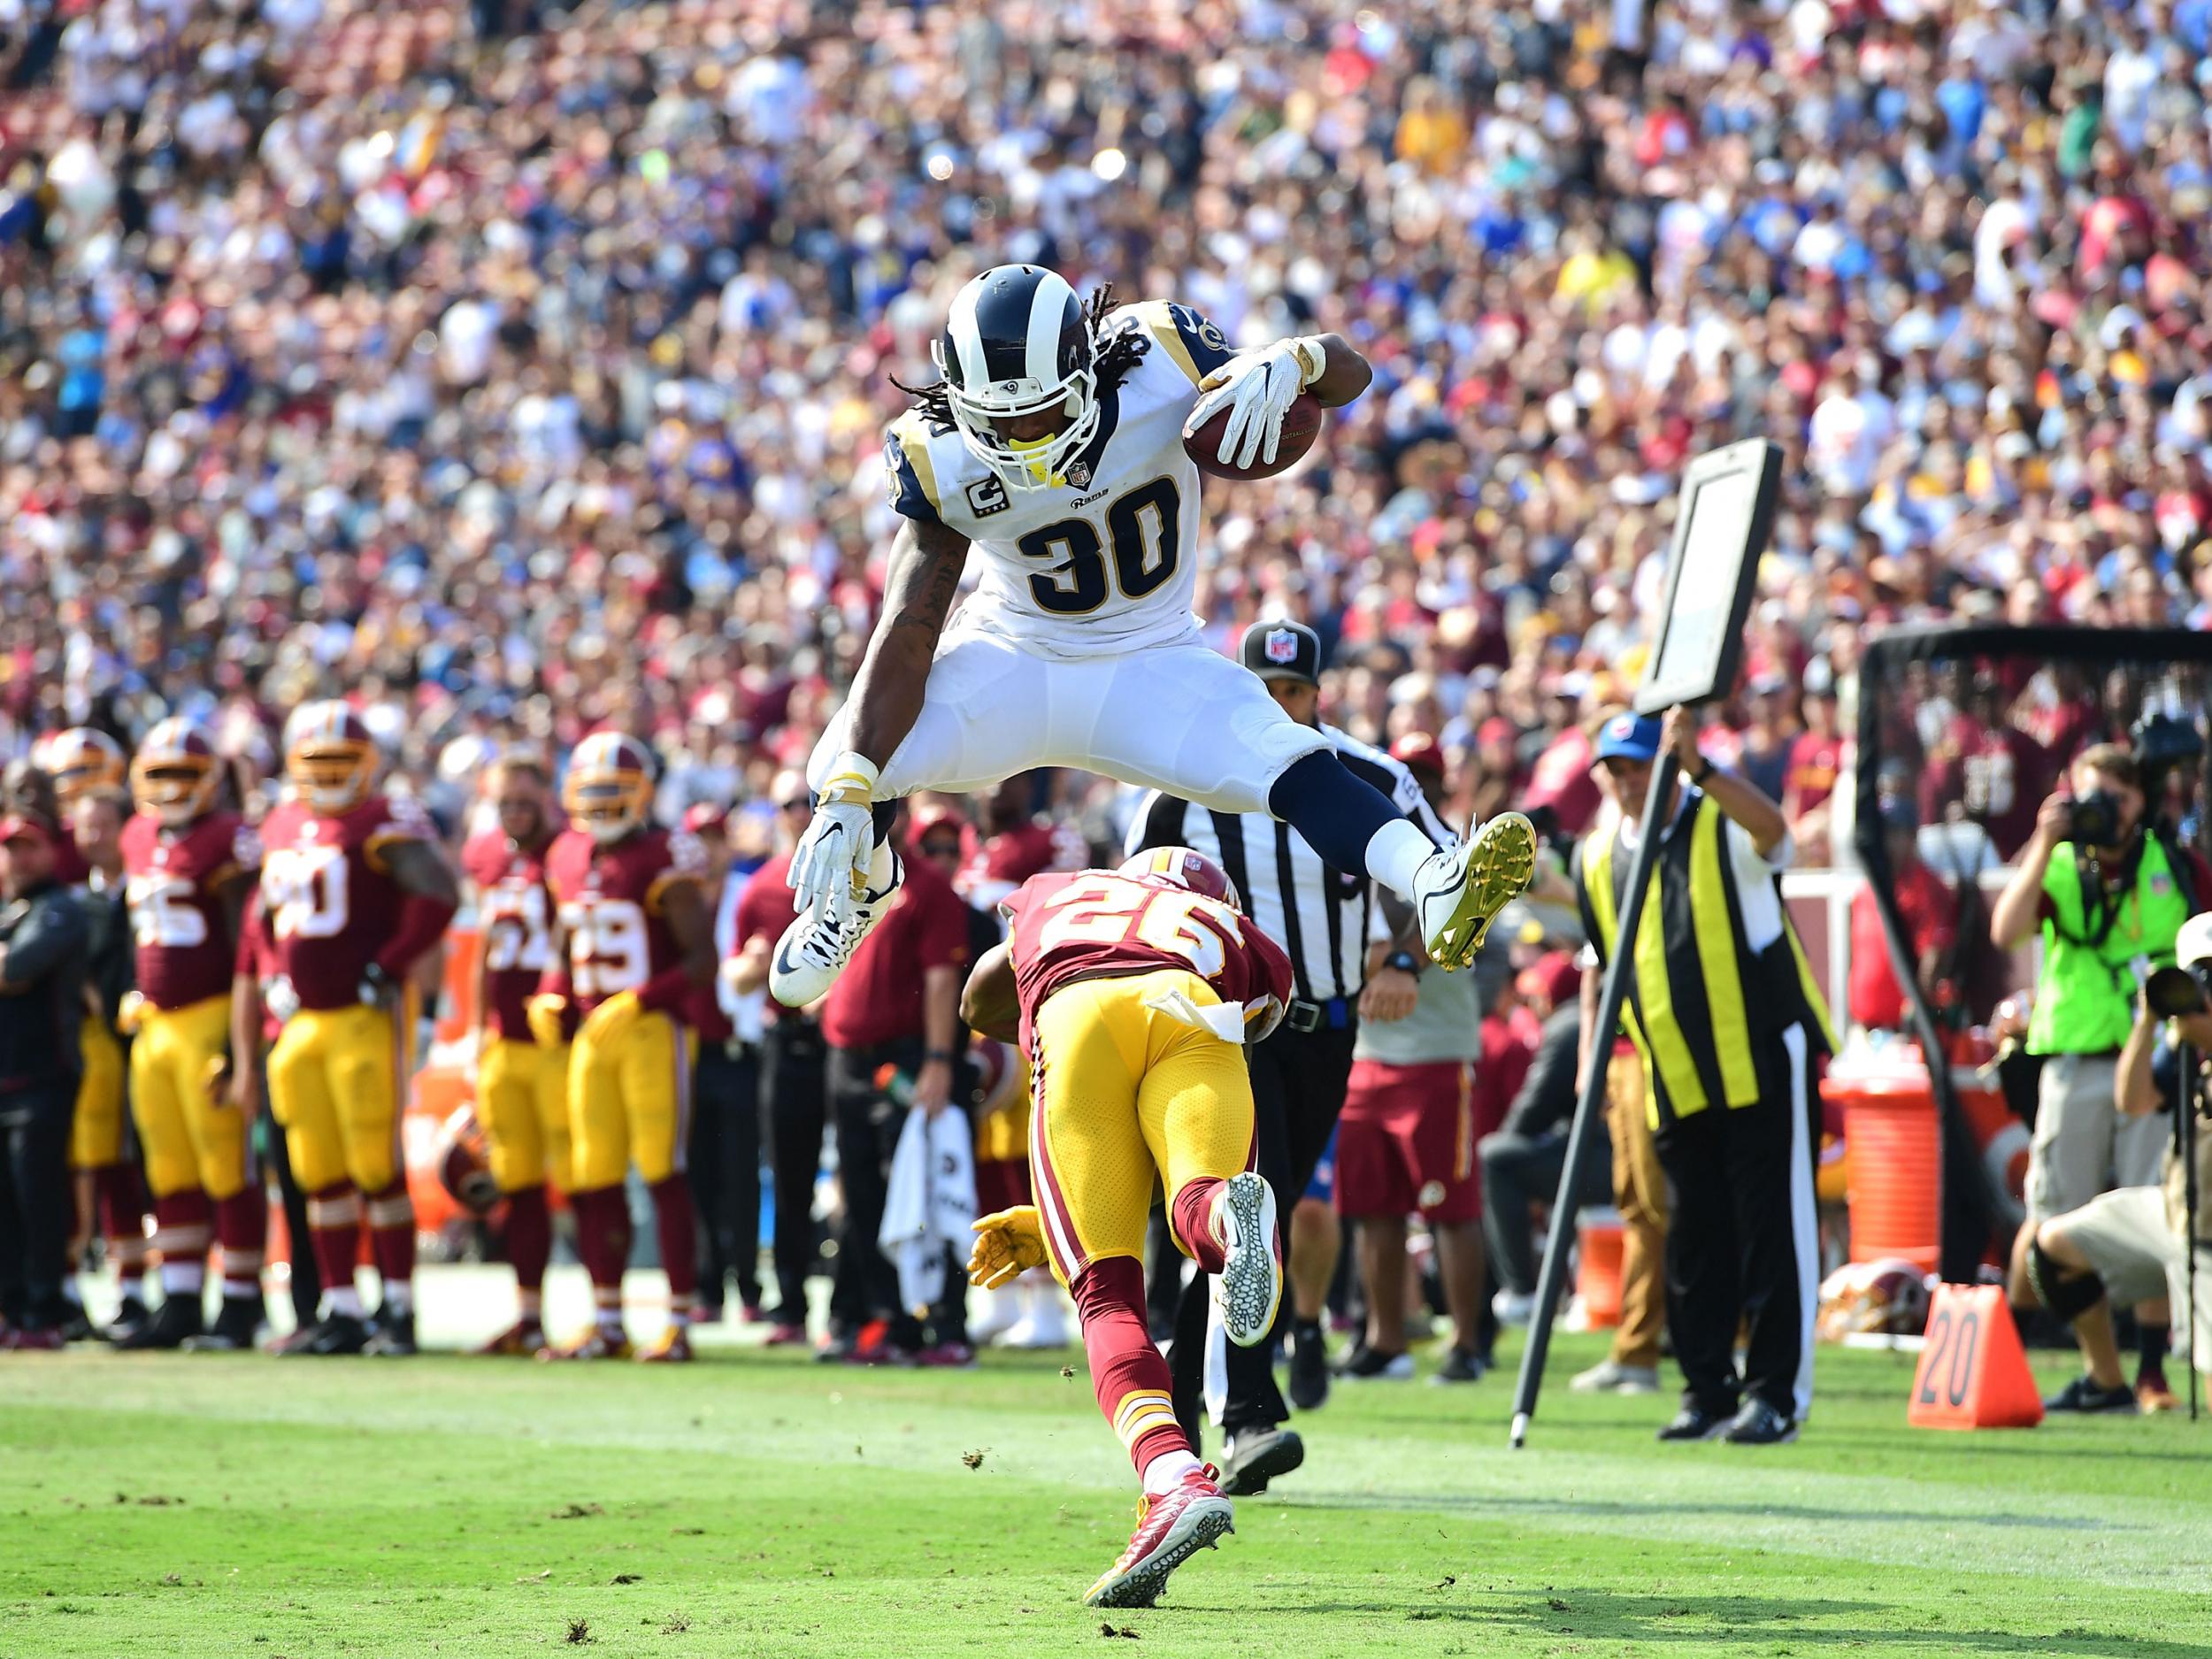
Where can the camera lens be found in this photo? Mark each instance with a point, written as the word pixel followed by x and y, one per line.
pixel 2173 991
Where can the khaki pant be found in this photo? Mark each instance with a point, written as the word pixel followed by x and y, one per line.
pixel 1639 1192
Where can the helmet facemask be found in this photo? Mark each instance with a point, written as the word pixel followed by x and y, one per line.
pixel 1024 463
pixel 333 778
pixel 175 791
pixel 603 808
pixel 1018 350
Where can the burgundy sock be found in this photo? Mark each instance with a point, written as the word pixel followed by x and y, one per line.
pixel 677 1231
pixel 118 1199
pixel 181 1225
pixel 529 1236
pixel 391 1217
pixel 334 1226
pixel 1192 1217
pixel 603 1235
pixel 242 1227
pixel 1127 1373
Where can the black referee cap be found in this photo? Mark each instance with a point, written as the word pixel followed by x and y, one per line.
pixel 1283 650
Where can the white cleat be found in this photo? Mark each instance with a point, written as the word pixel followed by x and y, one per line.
pixel 1459 891
pixel 1249 1286
pixel 995 1313
pixel 1044 1321
pixel 811 953
pixel 1036 1331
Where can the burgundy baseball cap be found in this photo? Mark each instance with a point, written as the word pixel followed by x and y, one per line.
pixel 702 816
pixel 1417 751
pixel 930 815
pixel 1553 977
pixel 21 827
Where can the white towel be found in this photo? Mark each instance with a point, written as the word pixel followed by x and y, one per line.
pixel 1224 1020
pixel 928 1204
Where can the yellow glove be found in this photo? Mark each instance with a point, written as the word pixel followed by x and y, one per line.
pixel 606 1023
pixel 545 1012
pixel 130 1013
pixel 1007 1245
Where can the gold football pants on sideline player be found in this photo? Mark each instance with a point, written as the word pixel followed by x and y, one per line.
pixel 629 1102
pixel 335 1076
pixel 96 1133
pixel 522 1102
pixel 188 1135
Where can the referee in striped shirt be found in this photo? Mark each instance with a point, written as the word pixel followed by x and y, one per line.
pixel 1323 918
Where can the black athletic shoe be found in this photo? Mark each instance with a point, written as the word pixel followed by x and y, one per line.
pixel 2084 1395
pixel 234 1327
pixel 1256 1456
pixel 178 1318
pixel 1308 1369
pixel 1759 1424
pixel 76 1328
pixel 1461 1365
pixel 1371 1364
pixel 340 1333
pixel 128 1317
pixel 392 1336
pixel 1695 1423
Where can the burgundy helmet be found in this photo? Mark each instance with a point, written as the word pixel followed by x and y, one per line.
pixel 1181 867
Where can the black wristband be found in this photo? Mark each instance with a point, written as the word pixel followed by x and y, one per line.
pixel 1704 771
pixel 946 1054
pixel 1404 961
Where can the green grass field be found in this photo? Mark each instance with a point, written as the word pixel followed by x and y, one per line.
pixel 758 1504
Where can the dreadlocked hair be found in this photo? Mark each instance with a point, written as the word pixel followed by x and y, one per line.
pixel 1113 360
pixel 1119 354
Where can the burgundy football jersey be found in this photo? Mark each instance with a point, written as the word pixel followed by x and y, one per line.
pixel 514 916
pixel 173 882
pixel 1094 924
pixel 1009 858
pixel 611 905
pixel 332 901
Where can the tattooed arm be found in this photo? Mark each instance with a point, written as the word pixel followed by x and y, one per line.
pixel 926 565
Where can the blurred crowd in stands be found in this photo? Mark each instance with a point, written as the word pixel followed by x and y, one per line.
pixel 513 369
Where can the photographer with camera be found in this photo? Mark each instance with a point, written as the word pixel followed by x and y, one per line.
pixel 2110 892
pixel 2134 1242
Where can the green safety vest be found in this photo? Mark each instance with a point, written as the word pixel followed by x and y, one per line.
pixel 1701 1007
pixel 2085 999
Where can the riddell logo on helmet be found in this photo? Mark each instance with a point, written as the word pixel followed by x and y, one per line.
pixel 1282 646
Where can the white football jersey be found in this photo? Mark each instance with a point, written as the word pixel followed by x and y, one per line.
pixel 1106 563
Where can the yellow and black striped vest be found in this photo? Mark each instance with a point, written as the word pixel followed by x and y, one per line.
pixel 1701 1007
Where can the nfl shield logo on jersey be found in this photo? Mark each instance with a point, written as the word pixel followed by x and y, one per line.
pixel 1282 646
pixel 1079 475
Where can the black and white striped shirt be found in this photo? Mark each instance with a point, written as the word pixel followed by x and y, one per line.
pixel 1320 916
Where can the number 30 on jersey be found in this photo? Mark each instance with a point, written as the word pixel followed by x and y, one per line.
pixel 1143 526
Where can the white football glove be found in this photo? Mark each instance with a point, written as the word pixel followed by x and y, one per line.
pixel 1258 389
pixel 829 869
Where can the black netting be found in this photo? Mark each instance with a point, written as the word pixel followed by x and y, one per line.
pixel 1962 735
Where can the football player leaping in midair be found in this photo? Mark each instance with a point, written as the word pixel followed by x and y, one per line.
pixel 1054 443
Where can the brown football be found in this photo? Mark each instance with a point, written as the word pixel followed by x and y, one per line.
pixel 1301 425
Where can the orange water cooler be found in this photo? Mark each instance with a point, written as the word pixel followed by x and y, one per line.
pixel 1893 1141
